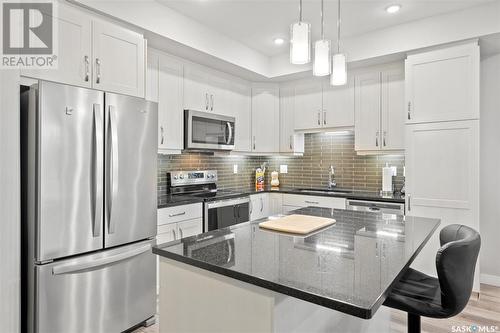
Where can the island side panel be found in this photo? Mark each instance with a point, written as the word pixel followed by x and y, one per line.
pixel 196 300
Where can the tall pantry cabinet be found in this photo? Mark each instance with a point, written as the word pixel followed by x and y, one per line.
pixel 442 141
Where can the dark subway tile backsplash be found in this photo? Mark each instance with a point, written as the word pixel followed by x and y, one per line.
pixel 352 171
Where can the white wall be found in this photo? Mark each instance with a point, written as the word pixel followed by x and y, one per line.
pixel 9 201
pixel 490 170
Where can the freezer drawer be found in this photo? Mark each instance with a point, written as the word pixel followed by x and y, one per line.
pixel 110 291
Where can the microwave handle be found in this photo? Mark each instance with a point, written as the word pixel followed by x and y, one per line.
pixel 230 129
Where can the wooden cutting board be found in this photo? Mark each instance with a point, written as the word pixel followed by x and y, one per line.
pixel 297 224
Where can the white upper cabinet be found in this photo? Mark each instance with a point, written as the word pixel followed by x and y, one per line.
pixel 367 126
pixel 196 96
pixel 265 119
pixel 319 105
pixel 290 142
pixel 308 105
pixel 240 104
pixel 164 84
pixel 379 110
pixel 170 110
pixel 338 104
pixel 393 115
pixel 443 85
pixel 206 91
pixel 96 54
pixel 118 60
pixel 74 50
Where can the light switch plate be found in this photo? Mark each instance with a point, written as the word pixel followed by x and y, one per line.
pixel 394 170
pixel 235 168
pixel 283 168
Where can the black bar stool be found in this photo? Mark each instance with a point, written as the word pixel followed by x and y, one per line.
pixel 446 296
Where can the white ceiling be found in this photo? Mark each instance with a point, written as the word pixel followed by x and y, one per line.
pixel 257 22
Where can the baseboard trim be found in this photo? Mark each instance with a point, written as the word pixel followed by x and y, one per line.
pixel 493 280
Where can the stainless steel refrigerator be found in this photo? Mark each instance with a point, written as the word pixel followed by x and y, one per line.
pixel 90 163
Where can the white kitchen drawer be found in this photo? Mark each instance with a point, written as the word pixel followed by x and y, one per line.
pixel 315 201
pixel 180 213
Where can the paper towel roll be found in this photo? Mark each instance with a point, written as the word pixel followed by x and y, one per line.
pixel 387 179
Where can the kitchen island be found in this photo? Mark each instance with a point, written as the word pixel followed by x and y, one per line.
pixel 247 279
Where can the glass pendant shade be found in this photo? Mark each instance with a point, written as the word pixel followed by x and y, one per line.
pixel 339 71
pixel 322 65
pixel 300 43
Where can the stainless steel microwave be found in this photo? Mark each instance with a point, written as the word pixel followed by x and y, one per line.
pixel 208 131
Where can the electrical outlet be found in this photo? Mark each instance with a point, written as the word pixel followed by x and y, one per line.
pixel 394 170
pixel 235 168
pixel 283 168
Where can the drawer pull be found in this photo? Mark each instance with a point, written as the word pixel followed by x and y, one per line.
pixel 312 202
pixel 178 214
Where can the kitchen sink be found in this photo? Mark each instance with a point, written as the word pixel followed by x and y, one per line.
pixel 323 191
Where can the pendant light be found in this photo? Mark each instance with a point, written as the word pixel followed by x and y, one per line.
pixel 339 71
pixel 322 64
pixel 300 41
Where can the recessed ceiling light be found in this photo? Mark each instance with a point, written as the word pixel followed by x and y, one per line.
pixel 393 9
pixel 278 41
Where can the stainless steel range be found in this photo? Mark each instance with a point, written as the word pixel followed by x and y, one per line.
pixel 221 208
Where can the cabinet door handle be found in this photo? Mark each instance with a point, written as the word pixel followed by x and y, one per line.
pixel 173 232
pixel 376 139
pixel 261 205
pixel 162 135
pixel 385 134
pixel 291 140
pixel 251 206
pixel 324 117
pixel 254 142
pixel 98 70
pixel 206 101
pixel 319 118
pixel 409 202
pixel 87 65
pixel 409 110
pixel 212 102
pixel 178 214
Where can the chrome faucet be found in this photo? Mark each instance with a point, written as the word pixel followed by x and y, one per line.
pixel 331 178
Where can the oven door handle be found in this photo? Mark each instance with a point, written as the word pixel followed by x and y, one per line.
pixel 226 203
pixel 230 250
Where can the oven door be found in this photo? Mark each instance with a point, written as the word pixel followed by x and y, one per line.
pixel 205 130
pixel 225 213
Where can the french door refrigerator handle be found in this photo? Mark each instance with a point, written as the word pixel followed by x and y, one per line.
pixel 114 167
pixel 98 169
pixel 97 263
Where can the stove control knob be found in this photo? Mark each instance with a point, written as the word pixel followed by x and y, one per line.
pixel 212 176
pixel 175 177
pixel 181 176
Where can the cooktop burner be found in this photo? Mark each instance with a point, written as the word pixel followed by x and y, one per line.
pixel 199 184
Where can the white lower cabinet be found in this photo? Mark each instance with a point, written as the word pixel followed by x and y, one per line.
pixel 259 206
pixel 442 180
pixel 290 142
pixel 175 223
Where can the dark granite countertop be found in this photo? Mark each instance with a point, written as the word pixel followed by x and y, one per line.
pixel 349 266
pixel 177 200
pixel 170 201
pixel 342 193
